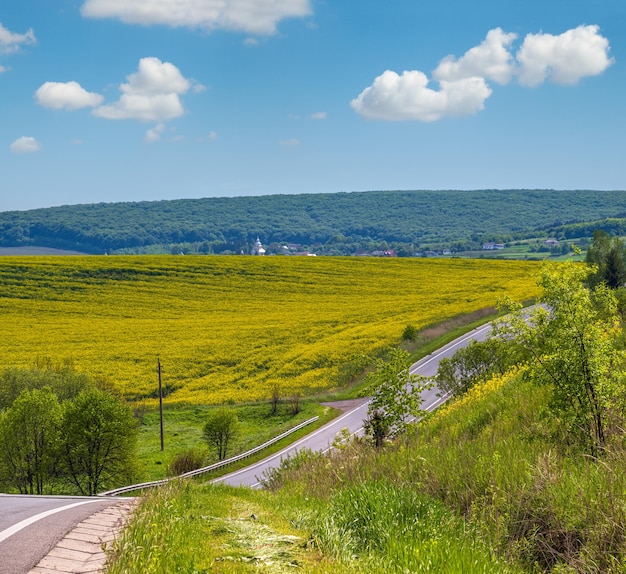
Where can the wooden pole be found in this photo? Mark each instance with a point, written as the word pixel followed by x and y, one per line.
pixel 161 404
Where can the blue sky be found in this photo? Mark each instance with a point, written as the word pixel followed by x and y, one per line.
pixel 130 100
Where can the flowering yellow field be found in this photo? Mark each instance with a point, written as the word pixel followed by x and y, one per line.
pixel 229 328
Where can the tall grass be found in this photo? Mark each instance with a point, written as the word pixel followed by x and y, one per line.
pixel 192 529
pixel 494 461
pixel 377 526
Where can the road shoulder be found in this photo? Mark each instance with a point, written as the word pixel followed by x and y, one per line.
pixel 83 549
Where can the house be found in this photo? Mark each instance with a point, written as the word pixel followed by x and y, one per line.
pixel 492 246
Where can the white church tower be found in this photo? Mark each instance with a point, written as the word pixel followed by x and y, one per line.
pixel 258 248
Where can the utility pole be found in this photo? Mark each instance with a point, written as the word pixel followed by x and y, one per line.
pixel 160 403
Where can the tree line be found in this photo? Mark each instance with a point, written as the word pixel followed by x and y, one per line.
pixel 332 224
pixel 60 433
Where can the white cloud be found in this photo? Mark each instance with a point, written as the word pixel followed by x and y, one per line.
pixel 564 59
pixel 292 142
pixel 211 136
pixel 490 60
pixel 154 134
pixel 319 116
pixel 463 88
pixel 11 42
pixel 68 96
pixel 151 94
pixel 251 16
pixel 396 97
pixel 3 69
pixel 25 144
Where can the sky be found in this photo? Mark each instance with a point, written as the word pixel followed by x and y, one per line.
pixel 133 100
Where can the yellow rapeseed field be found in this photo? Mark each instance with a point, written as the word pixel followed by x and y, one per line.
pixel 230 328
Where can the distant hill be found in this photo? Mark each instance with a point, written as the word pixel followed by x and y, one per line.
pixel 337 223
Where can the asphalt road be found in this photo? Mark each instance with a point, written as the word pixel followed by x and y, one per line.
pixel 322 438
pixel 30 526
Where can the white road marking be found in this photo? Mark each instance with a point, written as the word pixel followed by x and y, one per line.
pixel 31 520
pixel 279 454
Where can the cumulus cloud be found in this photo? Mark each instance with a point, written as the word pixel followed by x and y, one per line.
pixel 66 96
pixel 564 59
pixel 319 116
pixel 250 16
pixel 11 42
pixel 3 69
pixel 151 94
pixel 25 144
pixel 154 134
pixel 395 97
pixel 490 60
pixel 463 87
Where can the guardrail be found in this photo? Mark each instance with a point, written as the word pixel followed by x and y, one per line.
pixel 205 469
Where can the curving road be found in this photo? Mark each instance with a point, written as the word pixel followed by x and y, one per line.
pixel 322 438
pixel 31 525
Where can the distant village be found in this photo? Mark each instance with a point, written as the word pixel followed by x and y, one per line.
pixel 296 249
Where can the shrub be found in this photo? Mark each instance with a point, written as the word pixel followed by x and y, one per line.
pixel 186 461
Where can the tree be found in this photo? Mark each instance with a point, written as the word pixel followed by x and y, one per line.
pixel 396 396
pixel 615 269
pixel 220 430
pixel 61 378
pixel 275 398
pixel 100 436
pixel 472 364
pixel 608 256
pixel 573 341
pixel 29 434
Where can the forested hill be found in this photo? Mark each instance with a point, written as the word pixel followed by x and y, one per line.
pixel 330 223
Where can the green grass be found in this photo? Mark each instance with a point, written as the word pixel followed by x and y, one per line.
pixel 183 427
pixel 194 529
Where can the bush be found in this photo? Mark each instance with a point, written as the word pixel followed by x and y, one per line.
pixel 409 333
pixel 186 461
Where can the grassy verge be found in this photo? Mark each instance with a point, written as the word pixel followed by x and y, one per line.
pixel 199 529
pixel 494 459
pixel 192 529
pixel 423 343
pixel 183 427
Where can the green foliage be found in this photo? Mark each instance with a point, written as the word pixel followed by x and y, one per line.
pixel 186 461
pixel 574 343
pixel 334 224
pixel 378 526
pixel 220 430
pixel 58 431
pixel 62 379
pixel 273 478
pixel 608 256
pixel 396 396
pixel 473 364
pixel 194 529
pixel 409 333
pixel 29 441
pixel 99 440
